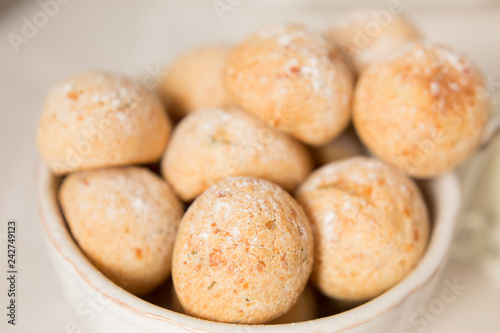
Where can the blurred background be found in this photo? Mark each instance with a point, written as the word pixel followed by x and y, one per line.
pixel 44 41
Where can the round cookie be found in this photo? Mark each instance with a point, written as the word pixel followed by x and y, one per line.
pixel 243 253
pixel 125 221
pixel 366 36
pixel 424 109
pixel 213 144
pixel 195 81
pixel 370 227
pixel 294 79
pixel 95 119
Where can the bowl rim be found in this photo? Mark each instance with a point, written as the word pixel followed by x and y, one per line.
pixel 445 194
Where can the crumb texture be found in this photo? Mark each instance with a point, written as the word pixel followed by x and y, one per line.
pixel 243 254
pixel 125 220
pixel 210 145
pixel 370 226
pixel 96 119
pixel 423 109
pixel 294 79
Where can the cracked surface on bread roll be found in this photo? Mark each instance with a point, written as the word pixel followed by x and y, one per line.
pixel 423 109
pixel 370 227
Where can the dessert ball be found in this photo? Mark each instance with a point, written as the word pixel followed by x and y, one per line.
pixel 125 221
pixel 370 227
pixel 209 145
pixel 95 119
pixel 294 79
pixel 344 146
pixel 195 80
pixel 424 109
pixel 243 253
pixel 366 36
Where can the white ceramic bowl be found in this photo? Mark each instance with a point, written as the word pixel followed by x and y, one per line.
pixel 105 307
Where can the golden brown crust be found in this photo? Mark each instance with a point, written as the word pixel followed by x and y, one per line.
pixel 213 144
pixel 423 109
pixel 295 80
pixel 125 221
pixel 195 81
pixel 370 226
pixel 95 119
pixel 243 252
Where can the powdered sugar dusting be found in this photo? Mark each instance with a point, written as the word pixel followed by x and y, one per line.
pixel 67 88
pixel 419 53
pixel 347 205
pixel 105 94
pixel 435 88
pixel 221 143
pixel 256 241
pixel 313 51
pixel 284 40
pixel 138 205
pixel 332 227
pixel 454 59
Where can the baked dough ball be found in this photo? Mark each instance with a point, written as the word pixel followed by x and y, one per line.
pixel 295 80
pixel 94 120
pixel 125 221
pixel 424 109
pixel 243 253
pixel 213 144
pixel 370 227
pixel 305 309
pixel 366 36
pixel 344 146
pixel 195 81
